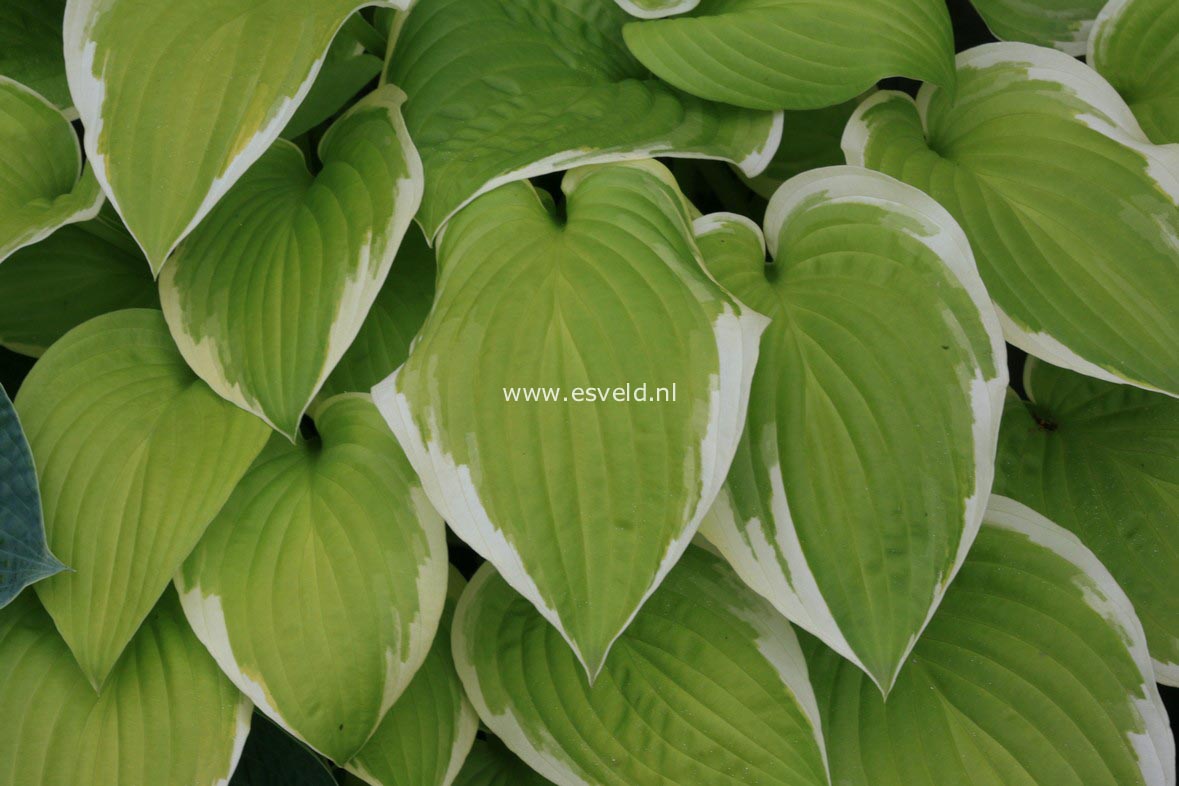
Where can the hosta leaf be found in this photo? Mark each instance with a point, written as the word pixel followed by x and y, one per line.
pixel 42 182
pixel 79 272
pixel 395 318
pixel 1072 214
pixel 425 738
pixel 707 686
pixel 867 458
pixel 166 716
pixel 787 54
pixel 1034 671
pixel 526 87
pixel 174 118
pixel 1135 45
pixel 319 585
pixel 30 47
pixel 1102 460
pixel 135 456
pixel 274 758
pixel 24 557
pixel 266 295
pixel 1061 24
pixel 811 140
pixel 492 764
pixel 554 493
pixel 347 68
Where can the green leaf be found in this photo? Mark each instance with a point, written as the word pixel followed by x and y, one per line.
pixel 30 47
pixel 372 36
pixel 868 453
pixel 173 119
pixel 320 584
pixel 812 142
pixel 1061 24
pixel 785 54
pixel 1045 168
pixel 425 738
pixel 135 456
pixel 347 68
pixel 24 556
pixel 614 295
pixel 492 764
pixel 707 686
pixel 527 87
pixel 79 272
pixel 42 183
pixel 1102 460
pixel 395 318
pixel 1034 671
pixel 1135 45
pixel 274 758
pixel 166 715
pixel 267 294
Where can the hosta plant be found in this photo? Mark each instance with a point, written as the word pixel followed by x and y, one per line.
pixel 589 392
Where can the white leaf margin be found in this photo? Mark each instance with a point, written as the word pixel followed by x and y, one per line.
pixel 657 9
pixel 243 721
pixel 1105 27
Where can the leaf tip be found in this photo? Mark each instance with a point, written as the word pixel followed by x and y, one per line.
pixel 592 658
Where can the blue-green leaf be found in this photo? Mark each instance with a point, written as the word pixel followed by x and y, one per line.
pixel 24 556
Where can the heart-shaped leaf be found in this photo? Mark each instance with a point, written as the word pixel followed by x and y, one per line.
pixel 1072 213
pixel 174 118
pixel 392 323
pixel 583 501
pixel 30 47
pixel 266 295
pixel 320 584
pixel 1135 45
pixel 24 556
pixel 1102 461
pixel 707 686
pixel 1061 24
pixel 526 87
pixel 42 183
pixel 490 763
pixel 135 456
pixel 425 738
pixel 79 272
pixel 1034 671
pixel 786 54
pixel 274 758
pixel 166 716
pixel 868 454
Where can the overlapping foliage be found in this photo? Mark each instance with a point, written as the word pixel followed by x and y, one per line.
pixel 834 541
